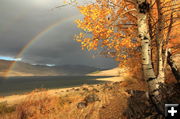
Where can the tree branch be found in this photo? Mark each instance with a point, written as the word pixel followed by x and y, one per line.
pixel 167 40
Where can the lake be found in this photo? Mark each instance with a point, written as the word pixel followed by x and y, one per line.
pixel 18 85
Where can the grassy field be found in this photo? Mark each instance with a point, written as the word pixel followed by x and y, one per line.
pixel 100 101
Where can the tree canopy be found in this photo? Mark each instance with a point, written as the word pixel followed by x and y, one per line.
pixel 112 27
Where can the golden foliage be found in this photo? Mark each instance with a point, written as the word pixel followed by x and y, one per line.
pixel 111 25
pixel 108 27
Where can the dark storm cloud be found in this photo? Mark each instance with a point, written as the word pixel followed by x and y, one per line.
pixel 22 20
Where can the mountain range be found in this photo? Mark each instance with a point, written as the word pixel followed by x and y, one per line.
pixel 26 69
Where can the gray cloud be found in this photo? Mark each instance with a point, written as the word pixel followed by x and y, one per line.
pixel 22 20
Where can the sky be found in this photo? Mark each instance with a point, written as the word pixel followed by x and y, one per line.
pixel 52 29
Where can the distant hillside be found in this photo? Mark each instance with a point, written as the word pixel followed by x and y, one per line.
pixel 110 72
pixel 25 69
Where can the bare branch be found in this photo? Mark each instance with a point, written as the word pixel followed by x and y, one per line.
pixel 171 5
pixel 132 2
pixel 166 28
pixel 131 10
pixel 127 24
pixel 177 9
pixel 165 3
pixel 153 4
pixel 164 21
pixel 71 2
pixel 171 26
pixel 167 39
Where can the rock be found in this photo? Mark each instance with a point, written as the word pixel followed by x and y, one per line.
pixel 95 90
pixel 103 107
pixel 141 107
pixel 169 94
pixel 136 92
pixel 85 89
pixel 72 88
pixel 77 89
pixel 106 87
pixel 91 98
pixel 117 83
pixel 176 59
pixel 138 106
pixel 81 105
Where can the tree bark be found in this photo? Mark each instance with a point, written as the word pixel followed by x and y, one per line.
pixel 160 39
pixel 161 73
pixel 148 71
pixel 167 40
pixel 143 32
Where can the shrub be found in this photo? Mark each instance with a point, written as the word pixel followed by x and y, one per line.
pixel 4 108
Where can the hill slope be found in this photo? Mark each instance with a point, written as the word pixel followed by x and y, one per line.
pixel 110 72
pixel 25 69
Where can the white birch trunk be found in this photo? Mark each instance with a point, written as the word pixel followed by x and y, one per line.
pixel 160 38
pixel 161 71
pixel 143 32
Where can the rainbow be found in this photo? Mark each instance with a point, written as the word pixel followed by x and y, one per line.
pixel 37 37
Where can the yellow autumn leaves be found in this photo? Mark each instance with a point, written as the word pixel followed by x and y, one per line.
pixel 102 29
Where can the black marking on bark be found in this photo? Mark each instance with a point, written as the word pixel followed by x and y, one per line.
pixel 150 79
pixel 155 90
pixel 145 38
pixel 143 7
pixel 146 42
pixel 144 59
pixel 151 95
pixel 139 35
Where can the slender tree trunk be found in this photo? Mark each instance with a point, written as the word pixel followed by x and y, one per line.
pixel 148 71
pixel 161 72
pixel 167 40
pixel 143 32
pixel 160 39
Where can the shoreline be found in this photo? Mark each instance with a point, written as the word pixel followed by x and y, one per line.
pixel 17 98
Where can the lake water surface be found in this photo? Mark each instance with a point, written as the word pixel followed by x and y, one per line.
pixel 18 85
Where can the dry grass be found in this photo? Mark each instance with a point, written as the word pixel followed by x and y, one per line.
pixel 4 108
pixel 42 105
